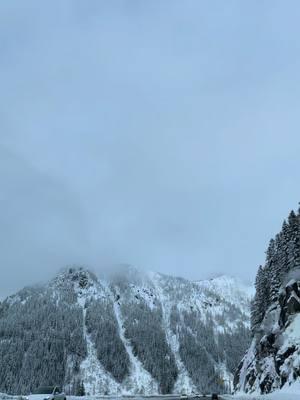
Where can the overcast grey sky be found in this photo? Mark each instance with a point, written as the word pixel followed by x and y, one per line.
pixel 159 133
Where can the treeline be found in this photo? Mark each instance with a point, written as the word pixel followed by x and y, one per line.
pixel 204 347
pixel 42 333
pixel 282 258
pixel 103 327
pixel 37 339
pixel 144 330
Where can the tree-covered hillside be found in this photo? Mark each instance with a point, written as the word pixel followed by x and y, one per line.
pixel 273 358
pixel 282 258
pixel 131 332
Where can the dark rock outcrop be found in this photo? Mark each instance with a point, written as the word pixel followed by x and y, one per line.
pixel 274 356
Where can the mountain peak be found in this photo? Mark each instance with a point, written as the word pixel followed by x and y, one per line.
pixel 228 285
pixel 76 275
pixel 110 322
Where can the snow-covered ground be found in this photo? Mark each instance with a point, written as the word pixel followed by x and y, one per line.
pixel 288 392
pixel 274 396
pixel 291 392
pixel 4 396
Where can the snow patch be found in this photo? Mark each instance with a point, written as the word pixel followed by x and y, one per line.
pixel 184 383
pixel 292 332
pixel 140 380
pixel 96 378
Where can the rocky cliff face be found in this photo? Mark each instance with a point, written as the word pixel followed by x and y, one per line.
pixel 273 359
pixel 128 332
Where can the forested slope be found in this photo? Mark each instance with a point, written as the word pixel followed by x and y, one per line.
pixel 130 332
pixel 273 359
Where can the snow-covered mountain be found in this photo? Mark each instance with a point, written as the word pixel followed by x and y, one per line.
pixel 273 359
pixel 126 332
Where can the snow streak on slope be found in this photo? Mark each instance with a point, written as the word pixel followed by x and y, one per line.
pixel 184 383
pixel 96 379
pixel 153 319
pixel 140 380
pixel 248 359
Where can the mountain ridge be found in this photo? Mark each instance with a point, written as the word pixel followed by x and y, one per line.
pixel 133 332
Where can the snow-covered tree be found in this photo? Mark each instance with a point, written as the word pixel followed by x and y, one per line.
pixel 282 257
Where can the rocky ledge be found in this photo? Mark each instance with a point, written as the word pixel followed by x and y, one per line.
pixel 273 359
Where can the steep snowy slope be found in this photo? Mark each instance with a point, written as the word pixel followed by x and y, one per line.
pixel 231 290
pixel 129 332
pixel 273 359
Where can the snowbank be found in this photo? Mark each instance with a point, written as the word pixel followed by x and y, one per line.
pixel 288 392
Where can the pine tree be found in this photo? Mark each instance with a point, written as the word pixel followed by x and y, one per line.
pixel 82 389
pixel 282 256
pixel 297 243
pixel 258 307
pixel 293 253
pixel 275 267
pixel 79 388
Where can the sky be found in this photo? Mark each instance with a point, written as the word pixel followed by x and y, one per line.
pixel 163 134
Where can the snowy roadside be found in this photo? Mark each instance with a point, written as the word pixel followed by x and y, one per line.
pixel 286 393
pixel 6 396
